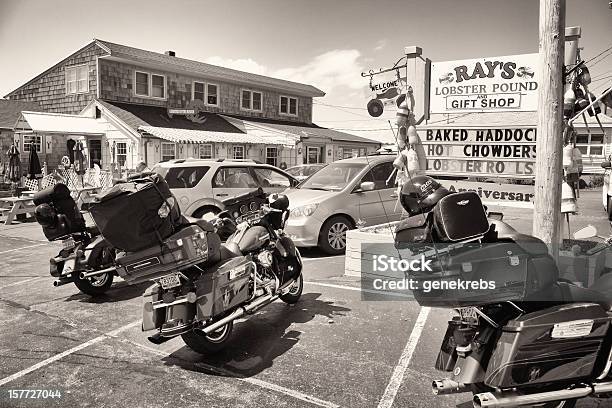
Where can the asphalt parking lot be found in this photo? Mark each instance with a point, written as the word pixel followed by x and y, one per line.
pixel 329 350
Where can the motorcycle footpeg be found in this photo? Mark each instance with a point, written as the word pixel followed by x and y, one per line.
pixel 157 338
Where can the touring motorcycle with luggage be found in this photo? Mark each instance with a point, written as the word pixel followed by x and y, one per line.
pixel 532 338
pixel 86 259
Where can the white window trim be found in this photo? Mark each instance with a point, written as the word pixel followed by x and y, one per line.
pixel 243 152
pixel 212 151
pixel 251 105
pixel 38 145
pixel 276 157
pixel 117 154
pixel 77 79
pixel 205 84
pixel 589 144
pixel 150 85
pixel 161 149
pixel 297 105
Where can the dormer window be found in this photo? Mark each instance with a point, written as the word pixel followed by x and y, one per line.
pixel 77 80
pixel 149 85
pixel 288 106
pixel 251 100
pixel 205 92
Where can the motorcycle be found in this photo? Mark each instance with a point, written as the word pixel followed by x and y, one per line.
pixel 86 259
pixel 256 266
pixel 537 339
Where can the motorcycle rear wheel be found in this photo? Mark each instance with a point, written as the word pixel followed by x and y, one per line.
pixel 96 285
pixel 211 343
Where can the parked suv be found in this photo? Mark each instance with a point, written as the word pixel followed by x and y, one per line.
pixel 331 201
pixel 200 185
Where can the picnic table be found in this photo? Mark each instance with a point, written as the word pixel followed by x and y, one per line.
pixel 16 206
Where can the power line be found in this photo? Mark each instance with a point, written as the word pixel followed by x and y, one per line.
pixel 339 106
pixel 380 129
pixel 607 49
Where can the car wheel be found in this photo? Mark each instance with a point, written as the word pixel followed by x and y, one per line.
pixel 332 239
pixel 207 209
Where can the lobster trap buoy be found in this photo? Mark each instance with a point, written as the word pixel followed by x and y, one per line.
pixel 403 114
pixel 402 137
pixel 375 107
pixel 577 160
pixel 412 161
pixel 569 98
pixel 568 199
pixel 413 137
pixel 568 156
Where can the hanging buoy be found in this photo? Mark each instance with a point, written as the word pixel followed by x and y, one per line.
pixel 577 160
pixel 400 161
pixel 569 98
pixel 401 137
pixel 568 157
pixel 413 137
pixel 402 115
pixel 412 161
pixel 568 200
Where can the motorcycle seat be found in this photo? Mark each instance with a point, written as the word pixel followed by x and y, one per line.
pixel 530 244
pixel 577 294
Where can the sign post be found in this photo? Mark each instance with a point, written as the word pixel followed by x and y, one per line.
pixel 548 165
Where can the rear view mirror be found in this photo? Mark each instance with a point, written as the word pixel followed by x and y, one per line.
pixel 367 186
pixel 606 164
pixel 586 232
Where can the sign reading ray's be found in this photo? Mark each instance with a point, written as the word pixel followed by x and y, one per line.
pixel 485 152
pixel 494 84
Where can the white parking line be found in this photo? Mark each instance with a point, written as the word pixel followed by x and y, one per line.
pixel 21 281
pixel 398 374
pixel 25 247
pixel 377 292
pixel 254 381
pixel 73 350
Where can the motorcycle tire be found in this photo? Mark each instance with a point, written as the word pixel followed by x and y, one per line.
pixel 95 286
pixel 208 343
pixel 295 291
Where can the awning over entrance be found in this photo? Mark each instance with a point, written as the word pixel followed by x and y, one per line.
pixel 41 122
pixel 205 136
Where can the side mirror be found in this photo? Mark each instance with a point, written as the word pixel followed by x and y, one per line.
pixel 606 164
pixel 366 186
pixel 586 232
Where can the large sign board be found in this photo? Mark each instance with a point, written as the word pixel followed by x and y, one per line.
pixel 480 152
pixel 507 83
pixel 512 195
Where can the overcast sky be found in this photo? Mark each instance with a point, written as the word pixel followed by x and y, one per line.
pixel 323 43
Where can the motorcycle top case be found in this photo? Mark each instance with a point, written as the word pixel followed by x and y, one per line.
pixel 223 286
pixel 137 214
pixel 476 274
pixel 460 216
pixel 559 344
pixel 68 220
pixel 190 246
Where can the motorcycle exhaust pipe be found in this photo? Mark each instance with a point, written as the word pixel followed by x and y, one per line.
pixel 57 283
pixel 602 388
pixel 511 399
pixel 448 386
pixel 241 311
pixel 85 275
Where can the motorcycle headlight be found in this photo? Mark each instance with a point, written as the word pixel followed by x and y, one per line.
pixel 265 258
pixel 304 211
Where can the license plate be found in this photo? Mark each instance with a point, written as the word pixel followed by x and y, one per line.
pixel 469 315
pixel 68 243
pixel 170 281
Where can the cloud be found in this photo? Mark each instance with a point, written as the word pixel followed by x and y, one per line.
pixel 380 44
pixel 241 64
pixel 328 70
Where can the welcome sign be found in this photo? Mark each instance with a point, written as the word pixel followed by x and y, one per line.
pixel 507 83
pixel 480 152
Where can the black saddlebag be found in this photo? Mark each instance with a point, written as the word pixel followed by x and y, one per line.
pixel 460 216
pixel 413 230
pixel 223 287
pixel 475 274
pixel 137 214
pixel 555 345
pixel 68 220
pixel 190 246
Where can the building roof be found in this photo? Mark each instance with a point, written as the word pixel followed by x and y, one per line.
pixel 204 136
pixel 59 123
pixel 208 70
pixel 10 111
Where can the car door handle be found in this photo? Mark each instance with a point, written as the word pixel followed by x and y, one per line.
pixel 394 195
pixel 222 195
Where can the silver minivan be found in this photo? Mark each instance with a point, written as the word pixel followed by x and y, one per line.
pixel 334 199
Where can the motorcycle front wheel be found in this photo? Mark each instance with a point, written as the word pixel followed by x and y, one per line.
pixel 214 342
pixel 96 285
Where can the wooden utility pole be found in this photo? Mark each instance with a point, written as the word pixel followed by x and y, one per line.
pixel 549 145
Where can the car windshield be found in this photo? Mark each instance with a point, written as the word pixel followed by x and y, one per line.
pixel 333 177
pixel 162 171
